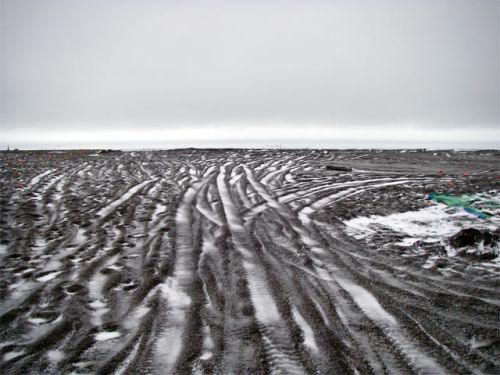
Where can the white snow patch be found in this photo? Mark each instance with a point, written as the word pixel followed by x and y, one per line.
pixel 476 343
pixel 37 320
pixel 309 340
pixel 36 179
pixel 367 302
pixel 11 355
pixel 168 346
pixel 55 355
pixel 95 292
pixel 110 207
pixel 138 314
pixel 102 336
pixel 430 224
pixel 114 267
pixel 126 362
pixel 375 312
pixel 160 209
pixel 208 344
pixel 206 355
pixel 265 308
pixel 79 238
pixel 171 343
pixel 48 277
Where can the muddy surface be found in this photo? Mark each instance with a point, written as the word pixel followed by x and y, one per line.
pixel 242 262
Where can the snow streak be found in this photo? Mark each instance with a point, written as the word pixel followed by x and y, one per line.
pixel 228 262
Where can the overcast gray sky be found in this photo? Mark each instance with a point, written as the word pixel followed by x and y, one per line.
pixel 295 73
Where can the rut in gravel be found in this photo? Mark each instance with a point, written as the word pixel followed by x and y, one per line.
pixel 203 262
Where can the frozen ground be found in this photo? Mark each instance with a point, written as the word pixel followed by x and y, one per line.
pixel 244 262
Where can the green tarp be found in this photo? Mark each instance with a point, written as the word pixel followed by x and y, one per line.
pixel 474 204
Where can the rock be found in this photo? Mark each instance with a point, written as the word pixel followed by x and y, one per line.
pixel 478 256
pixel 109 151
pixel 471 236
pixel 441 263
pixel 75 288
pixel 338 168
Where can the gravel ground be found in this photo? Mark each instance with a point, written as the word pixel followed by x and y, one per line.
pixel 241 262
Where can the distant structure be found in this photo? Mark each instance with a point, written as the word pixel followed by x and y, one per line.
pixel 8 148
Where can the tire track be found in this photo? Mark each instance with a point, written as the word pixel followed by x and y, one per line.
pixel 234 262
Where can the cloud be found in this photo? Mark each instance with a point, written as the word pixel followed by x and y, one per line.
pixel 164 65
pixel 254 135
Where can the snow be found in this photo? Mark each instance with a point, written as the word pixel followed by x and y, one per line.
pixel 115 267
pixel 265 308
pixel 309 340
pixel 208 344
pixel 122 369
pixel 206 355
pixel 160 209
pixel 289 178
pixel 367 302
pixel 430 224
pixel 10 355
pixel 169 345
pixel 48 277
pixel 19 290
pixel 102 336
pixel 55 355
pixel 323 202
pixel 37 320
pixel 79 238
pixel 136 316
pixel 95 293
pixel 110 207
pixel 375 312
pixel 476 343
pixel 36 179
